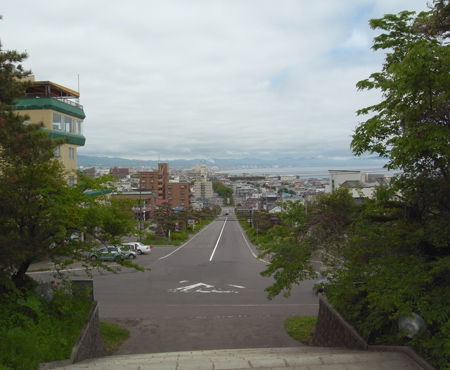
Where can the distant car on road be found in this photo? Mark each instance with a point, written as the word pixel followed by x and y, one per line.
pixel 110 253
pixel 138 247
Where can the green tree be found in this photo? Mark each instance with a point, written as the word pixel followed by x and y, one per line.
pixel 40 214
pixel 389 256
pixel 165 219
pixel 223 190
pixel 321 231
pixel 411 125
pixel 406 230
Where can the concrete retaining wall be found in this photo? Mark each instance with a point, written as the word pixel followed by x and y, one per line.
pixel 89 345
pixel 333 331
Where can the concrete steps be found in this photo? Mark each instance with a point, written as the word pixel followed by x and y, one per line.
pixel 313 358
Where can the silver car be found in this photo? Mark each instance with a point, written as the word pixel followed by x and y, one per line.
pixel 138 247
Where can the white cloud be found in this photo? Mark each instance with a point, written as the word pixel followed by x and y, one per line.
pixel 189 79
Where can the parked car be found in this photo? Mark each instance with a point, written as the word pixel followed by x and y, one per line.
pixel 128 252
pixel 320 286
pixel 110 253
pixel 138 247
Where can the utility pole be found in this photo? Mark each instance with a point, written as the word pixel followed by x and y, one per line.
pixel 140 214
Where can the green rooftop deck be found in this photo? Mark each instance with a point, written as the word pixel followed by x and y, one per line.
pixel 66 107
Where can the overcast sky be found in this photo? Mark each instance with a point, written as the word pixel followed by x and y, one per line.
pixel 204 78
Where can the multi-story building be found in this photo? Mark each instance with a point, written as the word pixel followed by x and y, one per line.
pixel 179 194
pixel 58 109
pixel 119 172
pixel 203 189
pixel 360 185
pixel 176 193
pixel 156 181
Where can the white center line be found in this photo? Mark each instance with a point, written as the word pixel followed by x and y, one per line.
pixel 181 246
pixel 218 240
pixel 251 250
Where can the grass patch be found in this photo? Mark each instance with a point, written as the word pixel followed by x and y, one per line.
pixel 113 335
pixel 301 328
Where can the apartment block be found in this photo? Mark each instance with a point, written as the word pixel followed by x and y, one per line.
pixel 203 189
pixel 58 109
pixel 176 193
pixel 156 181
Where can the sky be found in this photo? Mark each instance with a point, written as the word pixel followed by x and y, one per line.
pixel 190 79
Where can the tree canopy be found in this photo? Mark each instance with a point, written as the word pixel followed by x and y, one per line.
pixel 223 190
pixel 389 256
pixel 41 216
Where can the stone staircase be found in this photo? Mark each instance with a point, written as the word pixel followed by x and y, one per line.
pixel 258 358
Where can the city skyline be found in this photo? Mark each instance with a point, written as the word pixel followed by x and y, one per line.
pixel 207 79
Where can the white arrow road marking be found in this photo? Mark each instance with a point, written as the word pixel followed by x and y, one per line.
pixel 187 288
pixel 215 291
pixel 203 288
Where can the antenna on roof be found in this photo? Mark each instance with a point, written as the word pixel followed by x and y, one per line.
pixel 78 75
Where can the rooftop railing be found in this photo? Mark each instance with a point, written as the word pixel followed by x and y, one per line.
pixel 70 102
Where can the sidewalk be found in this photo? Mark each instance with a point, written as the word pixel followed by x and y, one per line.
pixel 47 265
pixel 313 358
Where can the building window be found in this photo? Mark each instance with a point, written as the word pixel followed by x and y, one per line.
pixel 78 129
pixel 57 152
pixel 68 124
pixel 57 122
pixel 71 181
pixel 71 153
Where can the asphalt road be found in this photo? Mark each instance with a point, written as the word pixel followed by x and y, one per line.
pixel 206 294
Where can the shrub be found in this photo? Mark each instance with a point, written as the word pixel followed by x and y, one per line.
pixel 34 330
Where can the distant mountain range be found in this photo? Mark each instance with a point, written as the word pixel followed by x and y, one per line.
pixel 108 162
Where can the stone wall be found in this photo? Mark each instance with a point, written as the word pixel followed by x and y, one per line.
pixel 333 331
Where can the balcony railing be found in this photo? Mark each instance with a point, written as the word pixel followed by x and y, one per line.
pixel 70 102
